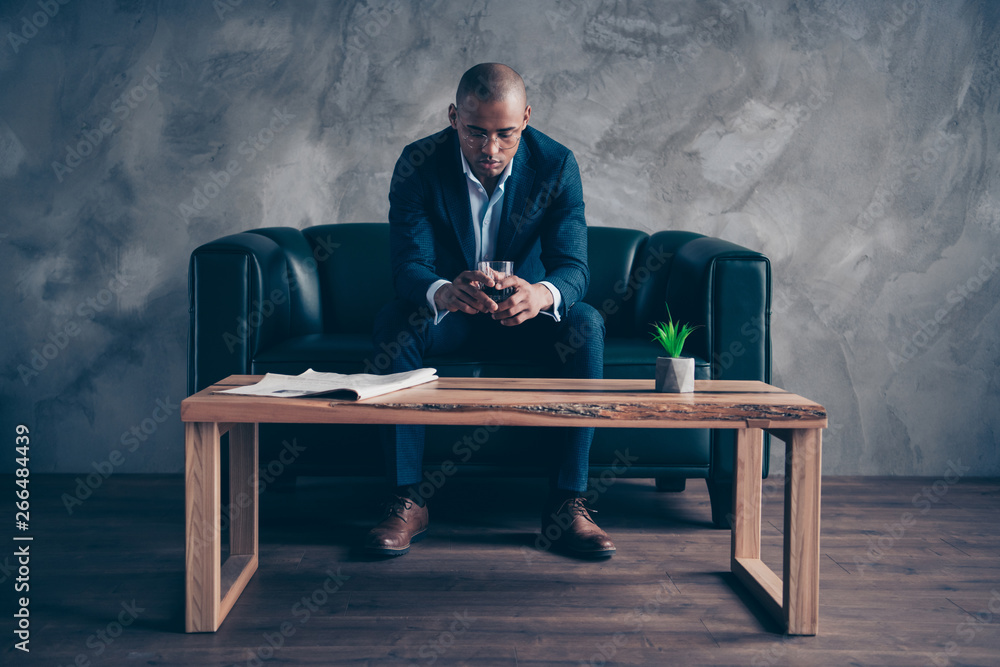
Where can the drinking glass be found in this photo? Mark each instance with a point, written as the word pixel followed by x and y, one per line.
pixel 497 270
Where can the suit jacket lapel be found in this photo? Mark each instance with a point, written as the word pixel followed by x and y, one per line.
pixel 456 202
pixel 515 199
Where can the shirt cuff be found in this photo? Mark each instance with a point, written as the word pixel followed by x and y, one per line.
pixel 431 291
pixel 556 301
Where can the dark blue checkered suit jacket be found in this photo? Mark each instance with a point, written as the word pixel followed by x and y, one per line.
pixel 542 226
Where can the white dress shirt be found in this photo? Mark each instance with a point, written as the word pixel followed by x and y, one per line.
pixel 486 211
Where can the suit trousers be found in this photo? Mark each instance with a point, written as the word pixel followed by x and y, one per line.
pixel 572 347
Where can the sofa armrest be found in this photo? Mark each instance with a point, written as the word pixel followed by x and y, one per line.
pixel 726 289
pixel 238 300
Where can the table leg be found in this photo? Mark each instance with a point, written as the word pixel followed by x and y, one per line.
pixel 746 563
pixel 202 584
pixel 242 561
pixel 794 600
pixel 803 468
pixel 747 472
pixel 212 588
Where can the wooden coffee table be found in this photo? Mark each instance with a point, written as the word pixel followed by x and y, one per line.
pixel 751 408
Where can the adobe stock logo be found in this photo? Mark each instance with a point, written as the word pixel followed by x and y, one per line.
pixel 251 147
pixel 30 28
pixel 122 107
pixel 372 25
pixel 58 340
pixel 928 331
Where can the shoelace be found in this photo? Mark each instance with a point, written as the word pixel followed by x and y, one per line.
pixel 397 506
pixel 577 507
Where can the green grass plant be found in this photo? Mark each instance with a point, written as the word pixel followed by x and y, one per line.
pixel 671 335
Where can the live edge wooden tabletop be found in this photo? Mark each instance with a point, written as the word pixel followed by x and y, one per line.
pixel 525 402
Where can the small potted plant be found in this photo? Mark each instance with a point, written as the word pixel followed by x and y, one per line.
pixel 674 373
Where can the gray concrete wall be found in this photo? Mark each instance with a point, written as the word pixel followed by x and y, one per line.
pixel 852 142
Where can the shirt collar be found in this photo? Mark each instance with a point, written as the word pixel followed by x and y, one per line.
pixel 471 176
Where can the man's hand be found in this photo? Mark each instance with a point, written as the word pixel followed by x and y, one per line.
pixel 463 294
pixel 529 300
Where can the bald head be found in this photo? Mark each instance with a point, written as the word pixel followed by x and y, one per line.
pixel 490 82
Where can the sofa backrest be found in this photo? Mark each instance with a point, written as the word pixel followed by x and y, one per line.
pixel 651 275
pixel 611 256
pixel 355 278
pixel 304 305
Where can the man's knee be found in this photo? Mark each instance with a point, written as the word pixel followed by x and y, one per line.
pixel 581 338
pixel 583 320
pixel 395 318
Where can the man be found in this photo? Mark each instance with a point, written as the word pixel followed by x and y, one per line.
pixel 490 188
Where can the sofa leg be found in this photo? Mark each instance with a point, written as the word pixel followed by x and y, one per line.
pixel 671 484
pixel 720 495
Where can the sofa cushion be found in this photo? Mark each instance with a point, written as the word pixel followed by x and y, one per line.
pixel 330 353
pixel 353 353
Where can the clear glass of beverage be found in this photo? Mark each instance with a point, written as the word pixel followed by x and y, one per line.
pixel 497 270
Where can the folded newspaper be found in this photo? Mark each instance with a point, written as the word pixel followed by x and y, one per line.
pixel 355 387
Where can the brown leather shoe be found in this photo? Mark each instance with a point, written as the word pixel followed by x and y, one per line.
pixel 569 527
pixel 405 522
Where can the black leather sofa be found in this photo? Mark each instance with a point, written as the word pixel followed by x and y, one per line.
pixel 284 300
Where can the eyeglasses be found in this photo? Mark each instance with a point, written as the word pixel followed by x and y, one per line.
pixel 478 141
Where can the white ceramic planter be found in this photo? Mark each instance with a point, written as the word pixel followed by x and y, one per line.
pixel 675 375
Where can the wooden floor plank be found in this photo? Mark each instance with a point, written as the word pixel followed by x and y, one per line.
pixel 667 597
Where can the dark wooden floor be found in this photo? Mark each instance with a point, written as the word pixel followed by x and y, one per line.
pixel 905 581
